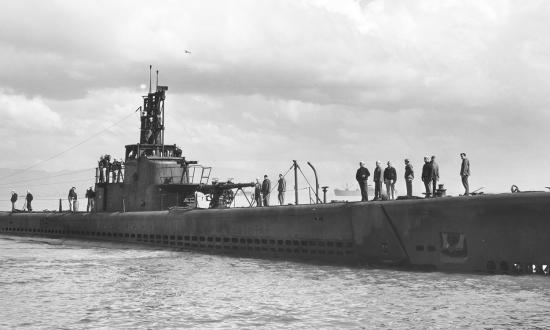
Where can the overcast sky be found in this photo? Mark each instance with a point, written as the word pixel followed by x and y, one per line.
pixel 331 82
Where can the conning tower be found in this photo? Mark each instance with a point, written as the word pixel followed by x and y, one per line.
pixel 155 176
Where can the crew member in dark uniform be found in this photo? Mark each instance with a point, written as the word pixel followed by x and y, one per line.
pixel 362 176
pixel 90 195
pixel 465 173
pixel 266 190
pixel 107 165
pixel 427 175
pixel 390 177
pixel 100 166
pixel 258 192
pixel 281 188
pixel 117 171
pixel 409 176
pixel 377 178
pixel 72 199
pixel 29 199
pixel 13 200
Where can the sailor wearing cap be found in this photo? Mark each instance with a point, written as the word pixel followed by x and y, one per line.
pixel 362 176
pixel 409 176
pixel 427 175
pixel 390 176
pixel 72 197
pixel 266 190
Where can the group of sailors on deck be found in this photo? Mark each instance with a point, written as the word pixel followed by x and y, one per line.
pixel 430 177
pixel 109 171
pixel 72 198
pixel 262 191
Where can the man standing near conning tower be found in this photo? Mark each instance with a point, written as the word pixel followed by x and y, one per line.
pixel 100 166
pixel 362 176
pixel 13 199
pixel 90 195
pixel 72 197
pixel 266 190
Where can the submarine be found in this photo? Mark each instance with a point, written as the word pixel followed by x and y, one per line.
pixel 152 201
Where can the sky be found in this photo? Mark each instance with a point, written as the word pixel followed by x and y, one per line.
pixel 268 82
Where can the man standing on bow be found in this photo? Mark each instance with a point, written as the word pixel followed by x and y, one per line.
pixel 465 173
pixel 266 190
pixel 435 175
pixel 409 176
pixel 427 175
pixel 362 176
pixel 281 188
pixel 390 176
pixel 377 178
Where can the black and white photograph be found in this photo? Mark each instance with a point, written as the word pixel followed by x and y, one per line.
pixel 274 164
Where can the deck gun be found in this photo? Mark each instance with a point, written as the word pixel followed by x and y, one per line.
pixel 221 194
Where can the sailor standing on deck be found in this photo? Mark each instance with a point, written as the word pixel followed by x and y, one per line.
pixel 266 190
pixel 362 176
pixel 13 199
pixel 435 175
pixel 427 175
pixel 258 192
pixel 465 173
pixel 28 200
pixel 281 188
pixel 72 199
pixel 107 166
pixel 101 165
pixel 390 176
pixel 409 176
pixel 90 195
pixel 377 176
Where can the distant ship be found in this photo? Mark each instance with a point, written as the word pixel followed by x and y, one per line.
pixel 348 192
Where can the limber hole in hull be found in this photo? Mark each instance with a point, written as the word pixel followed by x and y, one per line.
pixel 224 243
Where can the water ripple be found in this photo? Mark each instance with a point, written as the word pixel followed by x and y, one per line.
pixel 69 284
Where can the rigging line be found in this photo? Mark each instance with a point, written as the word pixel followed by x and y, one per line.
pixel 70 148
pixel 48 177
pixel 52 184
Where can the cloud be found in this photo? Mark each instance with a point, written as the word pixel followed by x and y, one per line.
pixel 20 113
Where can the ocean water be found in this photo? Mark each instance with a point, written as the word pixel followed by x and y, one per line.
pixel 62 284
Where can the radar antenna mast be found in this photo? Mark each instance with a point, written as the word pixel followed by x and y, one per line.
pixel 152 116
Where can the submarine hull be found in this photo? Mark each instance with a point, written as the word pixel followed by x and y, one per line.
pixel 506 233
